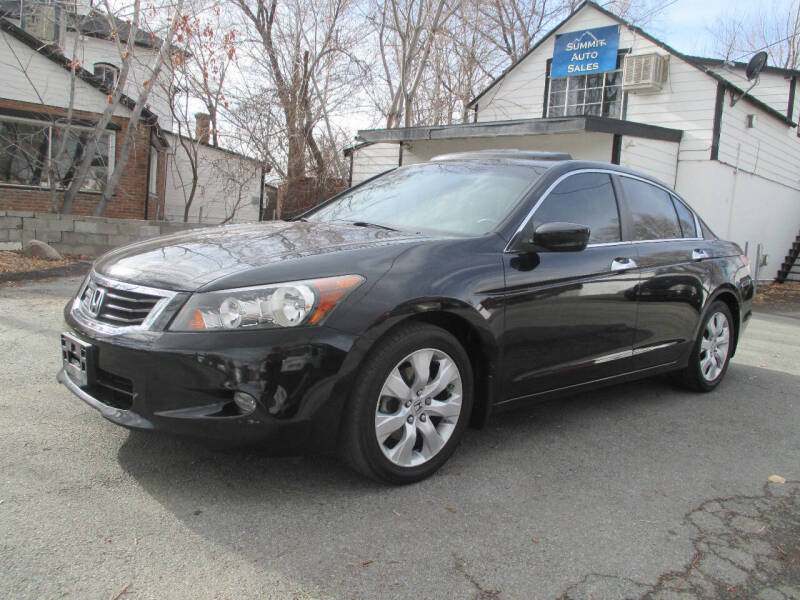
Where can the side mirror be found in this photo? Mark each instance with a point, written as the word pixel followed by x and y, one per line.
pixel 561 237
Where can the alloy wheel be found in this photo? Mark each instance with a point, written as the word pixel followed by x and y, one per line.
pixel 418 407
pixel 714 346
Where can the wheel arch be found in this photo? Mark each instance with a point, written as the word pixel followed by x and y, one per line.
pixel 460 320
pixel 728 295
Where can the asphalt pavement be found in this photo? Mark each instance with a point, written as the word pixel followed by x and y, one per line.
pixel 639 490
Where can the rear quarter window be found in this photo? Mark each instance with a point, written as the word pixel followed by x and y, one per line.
pixel 686 219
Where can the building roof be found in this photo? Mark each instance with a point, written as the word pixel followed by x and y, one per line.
pixel 584 123
pixel 703 64
pixel 94 24
pixel 720 62
pixel 53 53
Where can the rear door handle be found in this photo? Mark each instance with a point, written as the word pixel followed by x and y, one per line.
pixel 699 254
pixel 623 263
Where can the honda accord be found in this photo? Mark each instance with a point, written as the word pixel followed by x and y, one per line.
pixel 383 322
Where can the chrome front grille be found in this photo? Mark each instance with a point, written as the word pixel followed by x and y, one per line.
pixel 116 307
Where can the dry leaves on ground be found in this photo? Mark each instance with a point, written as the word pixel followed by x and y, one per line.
pixel 12 261
pixel 778 293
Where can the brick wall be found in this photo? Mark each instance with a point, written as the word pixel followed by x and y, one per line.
pixel 76 234
pixel 129 198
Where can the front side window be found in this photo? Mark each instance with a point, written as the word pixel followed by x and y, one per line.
pixel 458 198
pixel 599 94
pixel 29 147
pixel 585 199
pixel 653 214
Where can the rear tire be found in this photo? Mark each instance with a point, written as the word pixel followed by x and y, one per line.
pixel 712 351
pixel 410 405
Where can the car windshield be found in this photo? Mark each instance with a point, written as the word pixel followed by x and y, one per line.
pixel 453 198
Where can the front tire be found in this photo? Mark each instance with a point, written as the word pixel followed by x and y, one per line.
pixel 712 351
pixel 410 406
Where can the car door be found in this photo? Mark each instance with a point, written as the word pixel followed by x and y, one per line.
pixel 674 263
pixel 570 316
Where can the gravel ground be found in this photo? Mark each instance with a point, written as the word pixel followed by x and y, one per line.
pixel 640 490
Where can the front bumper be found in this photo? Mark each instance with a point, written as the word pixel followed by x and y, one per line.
pixel 184 383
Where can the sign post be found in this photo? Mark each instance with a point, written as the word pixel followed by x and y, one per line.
pixel 585 52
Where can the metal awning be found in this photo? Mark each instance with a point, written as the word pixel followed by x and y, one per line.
pixel 519 127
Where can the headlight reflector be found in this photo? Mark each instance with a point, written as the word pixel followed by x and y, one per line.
pixel 263 307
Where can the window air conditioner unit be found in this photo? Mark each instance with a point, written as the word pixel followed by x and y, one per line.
pixel 644 72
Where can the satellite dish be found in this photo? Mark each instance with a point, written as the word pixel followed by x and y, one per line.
pixel 753 72
pixel 756 65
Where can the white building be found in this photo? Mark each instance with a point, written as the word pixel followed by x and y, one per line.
pixel 227 186
pixel 655 109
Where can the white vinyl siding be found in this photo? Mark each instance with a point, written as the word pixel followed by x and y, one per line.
pixel 49 82
pixel 372 159
pixel 771 149
pixel 656 158
pixel 226 184
pixel 772 88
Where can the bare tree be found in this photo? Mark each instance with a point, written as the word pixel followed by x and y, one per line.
pixel 300 47
pixel 770 29
pixel 406 32
pixel 198 78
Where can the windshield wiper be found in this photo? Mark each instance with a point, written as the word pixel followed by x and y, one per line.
pixel 365 224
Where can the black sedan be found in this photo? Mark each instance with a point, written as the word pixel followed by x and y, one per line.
pixel 383 322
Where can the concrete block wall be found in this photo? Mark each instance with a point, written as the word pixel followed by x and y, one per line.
pixel 78 234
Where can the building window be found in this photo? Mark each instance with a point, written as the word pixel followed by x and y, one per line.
pixel 29 147
pixel 107 72
pixel 599 94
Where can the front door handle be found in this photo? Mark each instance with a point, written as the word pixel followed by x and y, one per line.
pixel 623 263
pixel 699 254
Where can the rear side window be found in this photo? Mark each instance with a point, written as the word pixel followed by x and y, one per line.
pixel 686 219
pixel 586 199
pixel 653 214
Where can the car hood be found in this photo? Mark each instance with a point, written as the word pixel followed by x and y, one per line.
pixel 189 260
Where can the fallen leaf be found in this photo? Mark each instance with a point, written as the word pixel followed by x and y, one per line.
pixel 450 508
pixel 776 479
pixel 363 563
pixel 534 540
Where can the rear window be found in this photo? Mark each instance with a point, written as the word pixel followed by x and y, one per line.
pixel 652 211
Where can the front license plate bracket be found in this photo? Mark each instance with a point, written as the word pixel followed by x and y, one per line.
pixel 78 359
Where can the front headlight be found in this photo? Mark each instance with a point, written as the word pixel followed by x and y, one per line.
pixel 281 305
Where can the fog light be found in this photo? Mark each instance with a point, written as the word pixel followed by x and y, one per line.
pixel 245 402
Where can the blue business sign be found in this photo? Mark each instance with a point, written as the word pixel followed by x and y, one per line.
pixel 585 52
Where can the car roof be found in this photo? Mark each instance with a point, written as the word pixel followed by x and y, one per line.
pixel 561 162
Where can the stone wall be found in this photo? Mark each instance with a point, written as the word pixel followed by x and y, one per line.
pixel 77 234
